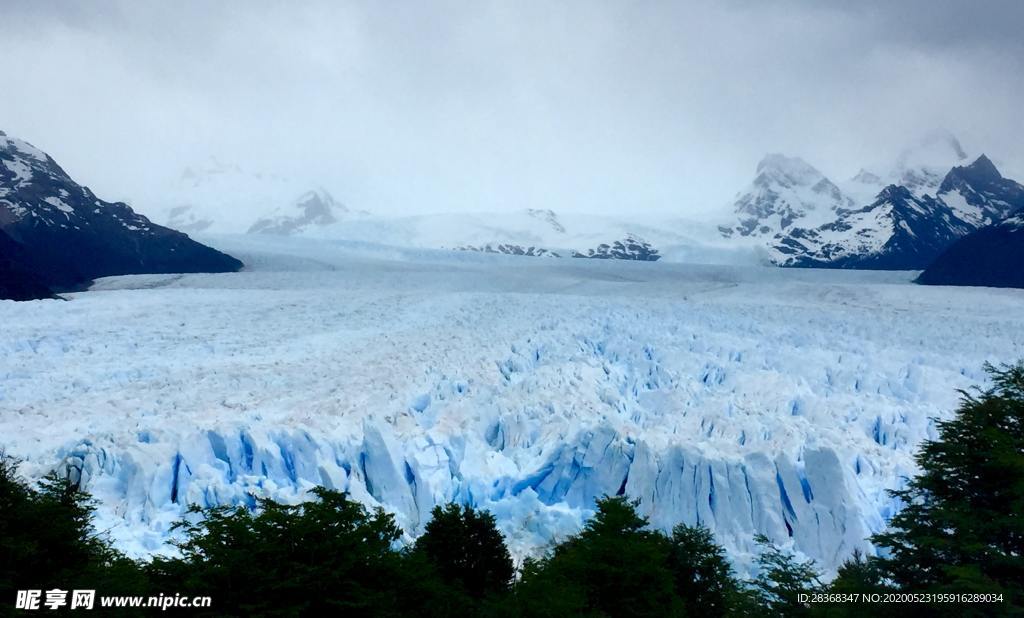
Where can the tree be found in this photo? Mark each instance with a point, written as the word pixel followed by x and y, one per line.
pixel 615 566
pixel 960 527
pixel 782 578
pixel 47 540
pixel 858 575
pixel 325 556
pixel 703 577
pixel 466 548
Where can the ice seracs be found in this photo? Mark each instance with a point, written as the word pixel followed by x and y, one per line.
pixel 747 399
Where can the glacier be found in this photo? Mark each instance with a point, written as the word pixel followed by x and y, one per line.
pixel 748 399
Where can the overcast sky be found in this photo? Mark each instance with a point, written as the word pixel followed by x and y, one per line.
pixel 610 107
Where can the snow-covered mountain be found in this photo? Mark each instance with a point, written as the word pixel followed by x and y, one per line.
pixel 898 231
pixel 312 209
pixel 920 168
pixel 786 192
pixel 900 219
pixel 629 248
pixel 902 230
pixel 993 256
pixel 226 199
pixel 864 187
pixel 979 194
pixel 62 234
pixel 543 232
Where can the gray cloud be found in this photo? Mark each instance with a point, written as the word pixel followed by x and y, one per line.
pixel 410 107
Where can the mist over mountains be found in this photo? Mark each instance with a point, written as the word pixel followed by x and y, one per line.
pixel 898 215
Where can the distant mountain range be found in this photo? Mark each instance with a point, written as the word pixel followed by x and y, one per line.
pixel 897 216
pixel 57 235
pixel 224 198
pixel 804 219
pixel 537 233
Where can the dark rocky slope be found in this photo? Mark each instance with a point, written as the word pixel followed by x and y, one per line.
pixel 61 235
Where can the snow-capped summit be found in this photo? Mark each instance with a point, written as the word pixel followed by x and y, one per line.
pixel 788 171
pixel 867 178
pixel 312 208
pixel 979 194
pixel 899 220
pixel 548 216
pixel 225 198
pixel 864 187
pixel 920 168
pixel 22 165
pixel 66 235
pixel 787 191
pixel 903 229
pixel 898 231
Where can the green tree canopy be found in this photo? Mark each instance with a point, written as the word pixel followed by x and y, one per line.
pixel 616 566
pixel 782 578
pixel 961 527
pixel 466 548
pixel 704 580
pixel 326 555
pixel 47 540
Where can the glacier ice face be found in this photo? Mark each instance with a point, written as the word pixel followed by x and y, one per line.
pixel 746 399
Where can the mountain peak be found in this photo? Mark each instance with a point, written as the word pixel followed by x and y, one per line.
pixel 69 236
pixel 895 193
pixel 315 207
pixel 978 193
pixel 866 177
pixel 981 173
pixel 984 167
pixel 922 167
pixel 781 162
pixel 788 171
